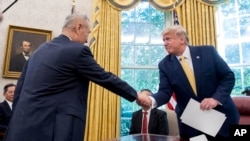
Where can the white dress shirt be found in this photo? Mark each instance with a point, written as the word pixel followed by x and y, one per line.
pixel 10 103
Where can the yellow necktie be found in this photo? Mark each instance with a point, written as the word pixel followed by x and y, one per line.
pixel 189 73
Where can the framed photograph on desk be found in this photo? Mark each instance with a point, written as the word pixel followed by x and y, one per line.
pixel 21 42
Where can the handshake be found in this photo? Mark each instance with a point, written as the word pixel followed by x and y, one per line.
pixel 143 98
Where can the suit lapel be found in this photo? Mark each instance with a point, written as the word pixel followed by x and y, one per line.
pixel 139 121
pixel 196 60
pixel 7 109
pixel 151 120
pixel 7 106
pixel 181 74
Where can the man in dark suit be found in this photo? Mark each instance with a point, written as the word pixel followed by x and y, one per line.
pixel 156 120
pixel 17 62
pixel 6 106
pixel 50 102
pixel 212 84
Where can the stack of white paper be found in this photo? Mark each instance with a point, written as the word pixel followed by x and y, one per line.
pixel 199 138
pixel 207 121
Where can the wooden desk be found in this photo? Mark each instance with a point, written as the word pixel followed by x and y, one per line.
pixel 147 137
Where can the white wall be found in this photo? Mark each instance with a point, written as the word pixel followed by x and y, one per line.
pixel 40 14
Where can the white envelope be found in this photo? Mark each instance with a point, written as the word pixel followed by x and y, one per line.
pixel 207 121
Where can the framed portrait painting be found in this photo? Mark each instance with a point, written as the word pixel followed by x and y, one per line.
pixel 21 43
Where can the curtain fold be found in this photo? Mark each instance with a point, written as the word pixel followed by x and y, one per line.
pixel 164 5
pixel 212 2
pixel 103 116
pixel 123 4
pixel 199 21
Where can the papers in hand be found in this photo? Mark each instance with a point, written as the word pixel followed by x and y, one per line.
pixel 207 121
pixel 199 138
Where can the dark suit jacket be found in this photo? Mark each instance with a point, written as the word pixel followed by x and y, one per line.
pixel 17 62
pixel 50 101
pixel 5 114
pixel 213 79
pixel 158 123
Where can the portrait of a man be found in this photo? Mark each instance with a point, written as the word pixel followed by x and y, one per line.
pixel 17 62
pixel 21 43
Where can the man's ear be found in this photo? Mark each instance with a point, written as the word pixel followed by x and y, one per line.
pixel 78 27
pixel 183 40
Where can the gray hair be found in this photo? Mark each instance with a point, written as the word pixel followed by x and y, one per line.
pixel 74 17
pixel 179 32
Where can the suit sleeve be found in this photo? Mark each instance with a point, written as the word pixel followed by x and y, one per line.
pixel 19 86
pixel 163 125
pixel 2 116
pixel 133 125
pixel 89 68
pixel 3 128
pixel 165 91
pixel 225 78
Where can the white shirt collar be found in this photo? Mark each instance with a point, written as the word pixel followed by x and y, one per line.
pixel 149 110
pixel 186 54
pixel 25 56
pixel 68 37
pixel 10 103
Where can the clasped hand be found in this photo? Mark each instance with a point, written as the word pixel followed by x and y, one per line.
pixel 143 100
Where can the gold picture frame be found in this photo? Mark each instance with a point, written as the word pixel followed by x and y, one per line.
pixel 16 37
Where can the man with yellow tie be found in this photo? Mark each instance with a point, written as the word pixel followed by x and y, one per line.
pixel 198 73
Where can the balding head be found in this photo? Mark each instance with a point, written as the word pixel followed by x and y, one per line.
pixel 77 27
pixel 73 18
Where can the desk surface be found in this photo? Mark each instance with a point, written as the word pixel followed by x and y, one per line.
pixel 147 137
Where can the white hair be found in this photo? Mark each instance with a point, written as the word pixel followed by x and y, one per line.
pixel 179 32
pixel 74 17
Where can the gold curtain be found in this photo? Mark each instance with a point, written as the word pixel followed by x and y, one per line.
pixel 213 2
pixel 103 115
pixel 123 4
pixel 197 16
pixel 199 21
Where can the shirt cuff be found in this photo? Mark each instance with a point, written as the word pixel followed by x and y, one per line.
pixel 154 104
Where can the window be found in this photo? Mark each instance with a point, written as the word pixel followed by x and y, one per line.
pixel 233 29
pixel 142 49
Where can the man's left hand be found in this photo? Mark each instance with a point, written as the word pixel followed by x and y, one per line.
pixel 208 103
pixel 143 100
